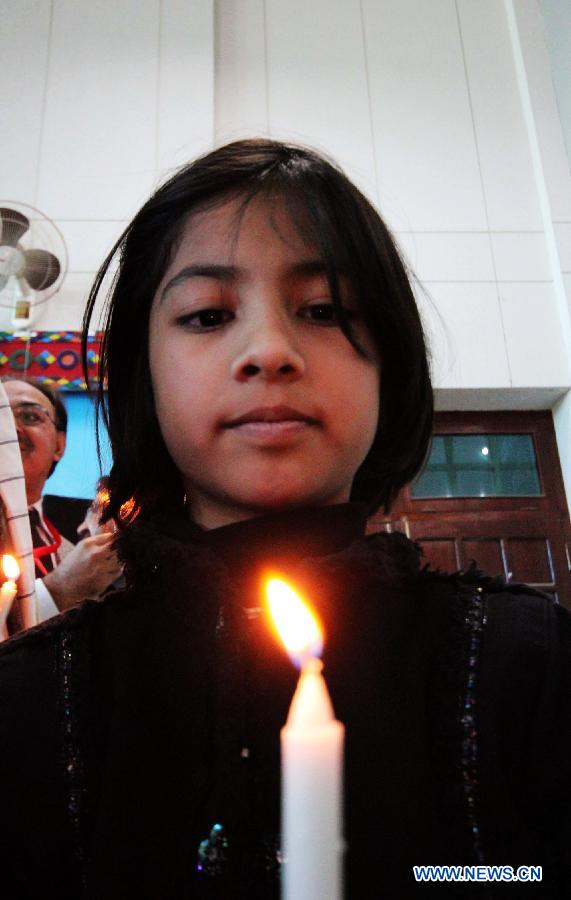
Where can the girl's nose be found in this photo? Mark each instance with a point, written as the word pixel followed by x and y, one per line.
pixel 269 355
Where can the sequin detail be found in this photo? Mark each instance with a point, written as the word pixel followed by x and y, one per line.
pixel 213 861
pixel 474 624
pixel 72 762
pixel 272 859
pixel 213 853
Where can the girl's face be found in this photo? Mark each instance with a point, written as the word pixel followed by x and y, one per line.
pixel 262 401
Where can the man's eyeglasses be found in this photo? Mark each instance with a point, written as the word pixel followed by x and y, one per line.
pixel 31 415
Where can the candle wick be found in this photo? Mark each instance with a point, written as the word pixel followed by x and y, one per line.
pixel 312 664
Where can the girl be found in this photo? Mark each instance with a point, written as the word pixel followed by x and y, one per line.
pixel 268 388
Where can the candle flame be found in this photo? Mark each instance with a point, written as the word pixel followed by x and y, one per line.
pixel 10 567
pixel 296 624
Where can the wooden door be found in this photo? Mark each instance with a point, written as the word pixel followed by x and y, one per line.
pixel 524 537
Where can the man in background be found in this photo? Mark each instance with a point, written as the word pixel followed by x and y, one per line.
pixel 65 573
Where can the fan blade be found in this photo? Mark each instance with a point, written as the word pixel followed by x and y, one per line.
pixel 42 269
pixel 12 226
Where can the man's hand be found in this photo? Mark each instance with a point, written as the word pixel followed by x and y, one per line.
pixel 86 571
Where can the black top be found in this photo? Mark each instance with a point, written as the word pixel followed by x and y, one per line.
pixel 130 728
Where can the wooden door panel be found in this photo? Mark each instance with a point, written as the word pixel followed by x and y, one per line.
pixel 441 554
pixel 521 538
pixel 487 553
pixel 515 547
pixel 529 559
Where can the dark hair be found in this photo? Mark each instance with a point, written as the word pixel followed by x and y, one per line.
pixel 53 395
pixel 351 237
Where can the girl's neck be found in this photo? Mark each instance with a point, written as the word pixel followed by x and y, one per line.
pixel 209 516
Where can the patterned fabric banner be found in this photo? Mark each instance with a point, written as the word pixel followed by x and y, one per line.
pixel 53 357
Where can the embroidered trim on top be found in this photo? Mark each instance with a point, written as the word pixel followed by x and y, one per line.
pixel 71 760
pixel 474 623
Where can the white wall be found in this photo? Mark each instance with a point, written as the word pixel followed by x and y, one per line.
pixel 100 99
pixel 556 16
pixel 545 118
pixel 443 111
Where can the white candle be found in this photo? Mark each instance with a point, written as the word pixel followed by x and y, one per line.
pixel 7 592
pixel 312 763
pixel 312 760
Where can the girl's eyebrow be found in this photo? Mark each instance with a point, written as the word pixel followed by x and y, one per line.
pixel 219 272
pixel 313 268
pixel 305 269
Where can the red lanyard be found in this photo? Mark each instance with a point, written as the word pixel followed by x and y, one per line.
pixel 47 549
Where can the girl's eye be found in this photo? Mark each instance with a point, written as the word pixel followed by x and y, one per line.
pixel 322 313
pixel 206 319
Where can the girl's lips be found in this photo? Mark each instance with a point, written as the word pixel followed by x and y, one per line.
pixel 273 431
pixel 272 424
pixel 265 415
